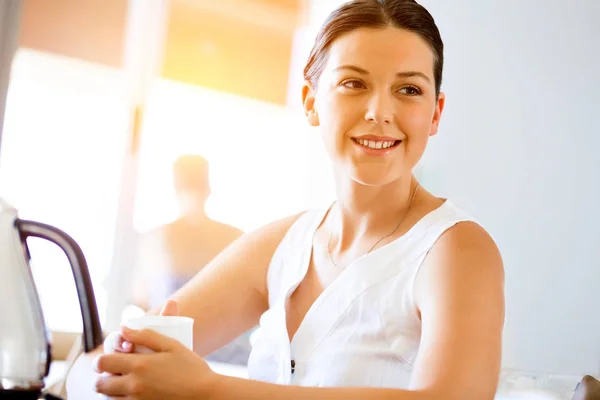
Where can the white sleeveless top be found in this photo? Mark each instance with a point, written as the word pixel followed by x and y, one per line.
pixel 363 330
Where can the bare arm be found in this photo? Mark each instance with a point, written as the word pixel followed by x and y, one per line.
pixel 229 295
pixel 225 299
pixel 460 296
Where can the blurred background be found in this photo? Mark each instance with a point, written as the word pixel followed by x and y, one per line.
pixel 103 96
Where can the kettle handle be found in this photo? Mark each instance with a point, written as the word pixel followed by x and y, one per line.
pixel 92 331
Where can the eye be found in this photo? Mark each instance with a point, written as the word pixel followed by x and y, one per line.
pixel 352 84
pixel 411 91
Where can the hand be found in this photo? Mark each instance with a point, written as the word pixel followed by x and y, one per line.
pixel 172 372
pixel 587 389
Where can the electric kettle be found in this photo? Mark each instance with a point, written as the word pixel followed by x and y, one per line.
pixel 25 352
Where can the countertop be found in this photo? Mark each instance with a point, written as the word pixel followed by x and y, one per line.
pixel 513 385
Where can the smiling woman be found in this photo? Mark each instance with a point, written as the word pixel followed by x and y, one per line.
pixel 384 81
pixel 388 293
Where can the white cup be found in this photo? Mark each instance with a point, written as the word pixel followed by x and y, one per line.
pixel 178 328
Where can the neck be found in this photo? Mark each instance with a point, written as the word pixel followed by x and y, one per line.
pixel 364 214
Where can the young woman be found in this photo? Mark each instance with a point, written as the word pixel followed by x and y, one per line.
pixel 388 293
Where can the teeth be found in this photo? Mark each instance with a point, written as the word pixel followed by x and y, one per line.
pixel 375 145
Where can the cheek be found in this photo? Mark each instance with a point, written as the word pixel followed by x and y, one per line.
pixel 416 120
pixel 336 121
pixel 338 112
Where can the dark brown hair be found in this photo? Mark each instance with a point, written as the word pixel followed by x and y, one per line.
pixel 402 14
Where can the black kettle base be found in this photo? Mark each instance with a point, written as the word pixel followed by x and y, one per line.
pixel 20 394
pixel 25 395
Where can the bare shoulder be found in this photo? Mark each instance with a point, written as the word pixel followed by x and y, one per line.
pixel 469 234
pixel 464 263
pixel 465 251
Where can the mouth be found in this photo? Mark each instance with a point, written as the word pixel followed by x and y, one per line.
pixel 377 144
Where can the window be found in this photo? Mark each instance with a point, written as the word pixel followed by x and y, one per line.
pixel 263 159
pixel 62 152
pixel 63 148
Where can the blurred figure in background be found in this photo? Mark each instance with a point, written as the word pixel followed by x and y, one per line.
pixel 170 255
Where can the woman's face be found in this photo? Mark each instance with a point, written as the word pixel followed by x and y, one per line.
pixel 375 103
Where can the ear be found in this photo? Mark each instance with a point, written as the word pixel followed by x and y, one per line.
pixel 308 102
pixel 437 115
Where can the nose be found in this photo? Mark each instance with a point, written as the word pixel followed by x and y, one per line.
pixel 380 109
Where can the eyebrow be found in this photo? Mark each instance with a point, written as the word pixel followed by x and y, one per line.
pixel 405 74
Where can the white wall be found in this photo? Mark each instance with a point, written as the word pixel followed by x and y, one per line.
pixel 517 149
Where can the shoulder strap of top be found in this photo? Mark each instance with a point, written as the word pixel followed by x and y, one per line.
pixel 426 232
pixel 288 259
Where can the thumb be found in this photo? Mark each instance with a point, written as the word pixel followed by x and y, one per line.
pixel 170 309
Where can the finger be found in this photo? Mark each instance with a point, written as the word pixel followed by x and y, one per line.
pixel 115 363
pixel 150 339
pixel 126 346
pixel 170 308
pixel 114 342
pixel 117 386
